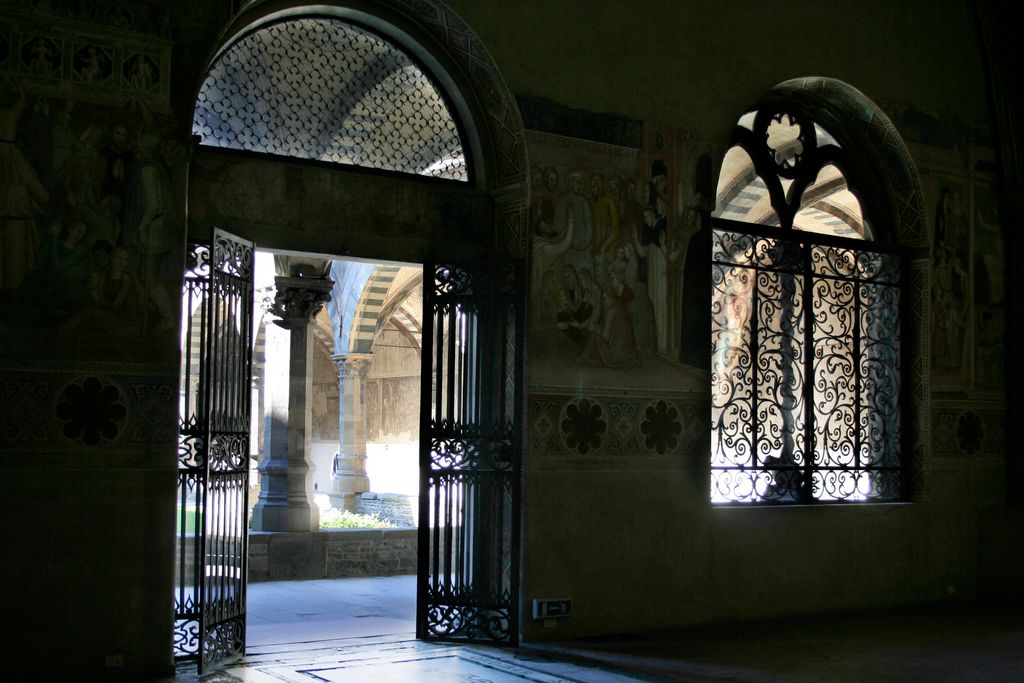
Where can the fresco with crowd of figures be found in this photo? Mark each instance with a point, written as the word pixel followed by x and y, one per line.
pixel 619 273
pixel 91 217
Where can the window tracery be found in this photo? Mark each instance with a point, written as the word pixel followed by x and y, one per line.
pixel 805 325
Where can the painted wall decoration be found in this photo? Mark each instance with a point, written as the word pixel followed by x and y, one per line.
pixel 392 409
pixel 92 187
pixel 91 227
pixel 627 422
pixel 100 51
pixel 620 274
pixel 58 407
pixel 989 289
pixel 967 278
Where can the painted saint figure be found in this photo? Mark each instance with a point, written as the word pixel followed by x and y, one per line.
pixel 611 342
pixel 149 226
pixel 21 195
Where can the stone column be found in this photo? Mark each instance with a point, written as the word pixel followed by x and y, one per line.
pixel 350 462
pixel 286 477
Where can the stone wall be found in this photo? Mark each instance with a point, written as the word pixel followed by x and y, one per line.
pixel 392 507
pixel 331 554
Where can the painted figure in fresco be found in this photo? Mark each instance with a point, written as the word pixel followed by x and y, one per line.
pixel 606 220
pixel 949 282
pixel 551 180
pixel 149 226
pixel 610 341
pixel 949 310
pixel 633 212
pixel 616 198
pixel 96 280
pixel 951 227
pixel 59 280
pixel 591 294
pixel 547 252
pixel 574 309
pixel 82 175
pixel 123 293
pixel 102 221
pixel 627 267
pixel 542 209
pixel 92 69
pixel 62 138
pixel 120 160
pixel 142 76
pixel 657 192
pixel 43 57
pixel 118 312
pixel 654 272
pixel 573 208
pixel 21 196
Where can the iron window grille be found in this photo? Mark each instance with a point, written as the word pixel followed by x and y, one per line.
pixel 805 370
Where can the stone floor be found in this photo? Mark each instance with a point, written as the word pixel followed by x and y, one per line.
pixel 362 630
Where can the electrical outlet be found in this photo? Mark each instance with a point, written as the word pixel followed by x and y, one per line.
pixel 551 608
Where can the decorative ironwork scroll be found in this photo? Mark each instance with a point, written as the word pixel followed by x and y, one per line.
pixel 805 368
pixel 324 89
pixel 470 452
pixel 805 375
pixel 213 451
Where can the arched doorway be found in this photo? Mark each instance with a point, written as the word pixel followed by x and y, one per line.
pixel 377 172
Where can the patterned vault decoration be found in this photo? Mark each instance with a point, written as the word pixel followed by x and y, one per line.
pixel 327 90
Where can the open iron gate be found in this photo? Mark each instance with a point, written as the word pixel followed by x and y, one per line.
pixel 470 452
pixel 213 451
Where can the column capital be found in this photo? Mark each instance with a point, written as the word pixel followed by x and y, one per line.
pixel 299 299
pixel 352 365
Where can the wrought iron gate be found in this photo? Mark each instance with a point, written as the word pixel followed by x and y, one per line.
pixel 213 451
pixel 470 448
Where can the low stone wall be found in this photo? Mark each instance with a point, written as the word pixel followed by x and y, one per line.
pixel 393 507
pixel 331 554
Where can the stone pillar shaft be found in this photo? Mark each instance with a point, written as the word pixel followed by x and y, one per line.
pixel 286 477
pixel 350 463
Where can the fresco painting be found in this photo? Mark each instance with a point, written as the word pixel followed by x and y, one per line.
pixel 90 246
pixel 614 230
pixel 989 290
pixel 967 279
pixel 950 295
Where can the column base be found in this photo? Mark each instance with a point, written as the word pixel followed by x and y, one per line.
pixel 346 491
pixel 293 517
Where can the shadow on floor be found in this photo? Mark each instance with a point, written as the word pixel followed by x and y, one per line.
pixel 976 643
pixel 363 630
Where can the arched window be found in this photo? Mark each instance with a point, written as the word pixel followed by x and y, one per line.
pixel 324 89
pixel 805 371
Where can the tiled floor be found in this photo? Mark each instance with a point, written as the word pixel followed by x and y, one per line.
pixel 302 611
pixel 358 630
pixel 362 630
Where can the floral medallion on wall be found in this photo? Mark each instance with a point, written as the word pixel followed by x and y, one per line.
pixel 617 426
pixel 583 426
pixel 91 410
pixel 660 427
pixel 969 432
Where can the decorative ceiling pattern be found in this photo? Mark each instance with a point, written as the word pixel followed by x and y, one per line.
pixel 327 90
